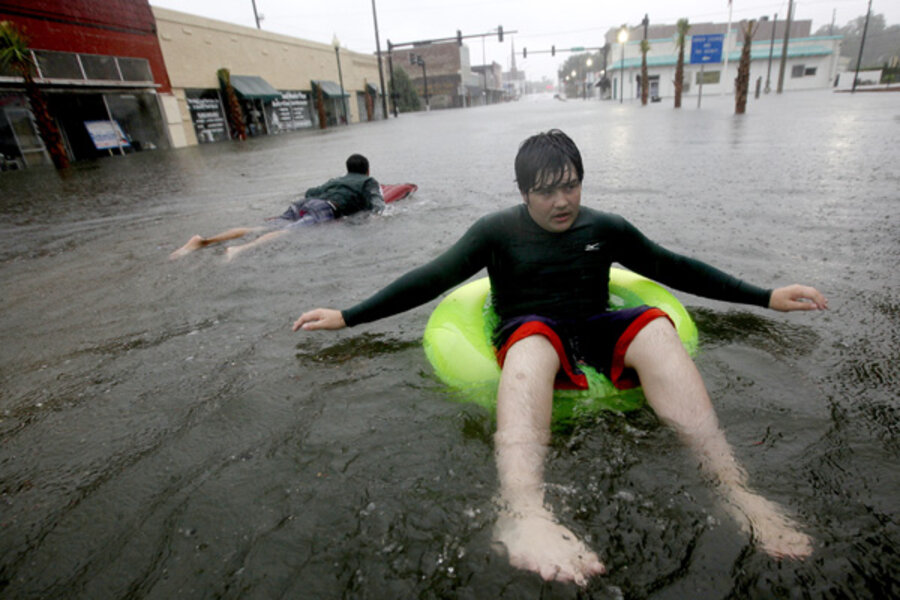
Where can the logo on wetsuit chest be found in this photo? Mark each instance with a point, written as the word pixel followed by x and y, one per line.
pixel 592 247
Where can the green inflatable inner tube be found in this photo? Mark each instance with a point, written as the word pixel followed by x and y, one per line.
pixel 457 342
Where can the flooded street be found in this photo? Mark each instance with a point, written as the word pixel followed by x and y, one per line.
pixel 164 434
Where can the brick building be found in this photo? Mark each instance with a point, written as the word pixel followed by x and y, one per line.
pixel 452 82
pixel 100 66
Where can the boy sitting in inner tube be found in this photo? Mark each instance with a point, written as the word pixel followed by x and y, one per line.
pixel 548 260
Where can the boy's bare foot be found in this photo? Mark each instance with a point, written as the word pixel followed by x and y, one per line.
pixel 535 542
pixel 195 243
pixel 774 532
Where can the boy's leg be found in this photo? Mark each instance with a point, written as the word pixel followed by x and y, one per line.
pixel 233 251
pixel 197 242
pixel 676 392
pixel 529 531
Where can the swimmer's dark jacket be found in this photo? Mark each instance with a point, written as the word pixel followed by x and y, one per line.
pixel 349 194
pixel 558 275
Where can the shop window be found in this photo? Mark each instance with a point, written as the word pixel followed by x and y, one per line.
pixel 207 115
pixel 58 65
pixel 708 77
pixel 138 116
pixel 797 71
pixel 100 67
pixel 810 72
pixel 290 113
pixel 135 69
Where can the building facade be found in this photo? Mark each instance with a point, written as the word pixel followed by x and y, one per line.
pixel 812 62
pixel 121 77
pixel 282 83
pixel 451 79
pixel 100 67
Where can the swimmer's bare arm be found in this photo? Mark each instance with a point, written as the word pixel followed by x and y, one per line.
pixel 320 318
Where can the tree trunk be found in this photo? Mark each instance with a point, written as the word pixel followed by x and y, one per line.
pixel 742 82
pixel 320 105
pixel 46 126
pixel 232 106
pixel 645 80
pixel 679 74
pixel 235 114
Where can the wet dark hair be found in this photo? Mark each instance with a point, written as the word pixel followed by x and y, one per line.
pixel 357 163
pixel 547 155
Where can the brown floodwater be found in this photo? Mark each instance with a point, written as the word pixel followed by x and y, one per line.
pixel 163 433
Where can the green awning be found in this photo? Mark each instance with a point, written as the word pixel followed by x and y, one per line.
pixel 251 87
pixel 330 89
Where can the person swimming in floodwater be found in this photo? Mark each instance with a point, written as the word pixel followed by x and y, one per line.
pixel 342 196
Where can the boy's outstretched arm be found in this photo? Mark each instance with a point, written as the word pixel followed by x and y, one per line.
pixel 797 297
pixel 320 318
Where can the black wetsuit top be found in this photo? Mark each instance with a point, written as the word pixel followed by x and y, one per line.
pixel 349 194
pixel 558 275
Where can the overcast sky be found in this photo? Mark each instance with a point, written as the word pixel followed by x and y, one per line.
pixel 538 23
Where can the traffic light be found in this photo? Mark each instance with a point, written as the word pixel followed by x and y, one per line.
pixel 552 50
pixel 458 37
pixel 500 32
pixel 524 52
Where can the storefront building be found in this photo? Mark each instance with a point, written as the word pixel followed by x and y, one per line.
pixel 282 83
pixel 811 62
pixel 99 65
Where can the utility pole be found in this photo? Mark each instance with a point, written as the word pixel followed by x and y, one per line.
pixel 391 69
pixel 784 47
pixel 862 45
pixel 727 50
pixel 256 15
pixel 384 110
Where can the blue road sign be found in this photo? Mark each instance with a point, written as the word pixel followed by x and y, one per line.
pixel 706 48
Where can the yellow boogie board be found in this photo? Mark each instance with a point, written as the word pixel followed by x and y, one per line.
pixel 457 342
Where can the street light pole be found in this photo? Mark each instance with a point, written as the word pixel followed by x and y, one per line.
pixel 589 63
pixel 337 52
pixel 421 62
pixel 623 37
pixel 484 72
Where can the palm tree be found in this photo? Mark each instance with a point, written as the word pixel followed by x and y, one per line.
pixel 15 55
pixel 742 83
pixel 683 27
pixel 645 82
pixel 232 106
